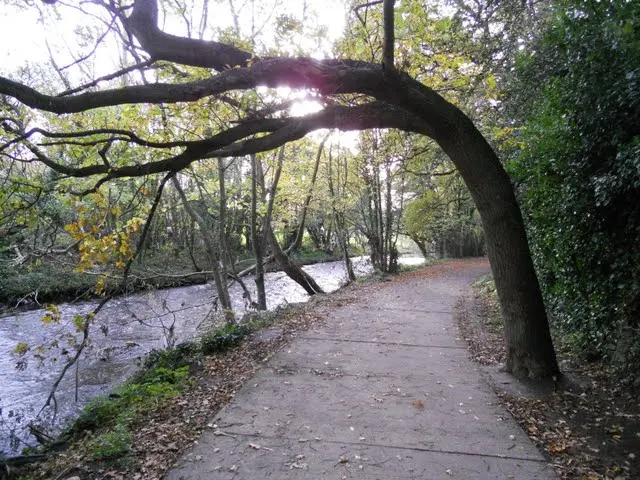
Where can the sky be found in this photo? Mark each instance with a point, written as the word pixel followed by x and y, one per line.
pixel 61 26
pixel 25 31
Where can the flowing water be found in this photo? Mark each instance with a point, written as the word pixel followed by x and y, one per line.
pixel 126 329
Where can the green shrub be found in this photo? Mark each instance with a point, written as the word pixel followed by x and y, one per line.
pixel 114 444
pixel 577 171
pixel 224 338
pixel 130 399
pixel 183 354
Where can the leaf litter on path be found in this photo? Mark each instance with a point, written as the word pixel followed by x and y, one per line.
pixel 591 434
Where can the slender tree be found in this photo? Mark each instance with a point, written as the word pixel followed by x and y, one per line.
pixel 257 236
pixel 216 264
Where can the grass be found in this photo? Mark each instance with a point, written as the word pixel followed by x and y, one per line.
pixel 116 443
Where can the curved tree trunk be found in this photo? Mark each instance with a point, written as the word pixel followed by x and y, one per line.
pixel 530 349
pixel 403 102
pixel 292 270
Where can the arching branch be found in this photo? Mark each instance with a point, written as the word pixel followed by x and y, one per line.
pixel 143 24
pixel 240 140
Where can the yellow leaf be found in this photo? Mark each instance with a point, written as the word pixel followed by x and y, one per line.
pixel 21 348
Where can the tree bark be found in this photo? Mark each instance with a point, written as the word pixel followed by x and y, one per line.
pixel 256 238
pixel 530 349
pixel 292 270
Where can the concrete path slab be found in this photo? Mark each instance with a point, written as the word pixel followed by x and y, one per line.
pixel 383 390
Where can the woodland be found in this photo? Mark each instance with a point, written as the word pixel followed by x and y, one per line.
pixel 160 142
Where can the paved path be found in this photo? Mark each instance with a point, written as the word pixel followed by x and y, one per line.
pixel 384 390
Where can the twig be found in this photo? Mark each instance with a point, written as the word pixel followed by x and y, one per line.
pixel 90 316
pixel 111 76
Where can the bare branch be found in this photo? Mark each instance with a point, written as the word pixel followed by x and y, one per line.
pixel 105 78
pixel 125 135
pixel 238 141
pixel 88 320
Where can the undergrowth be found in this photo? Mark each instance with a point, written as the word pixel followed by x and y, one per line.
pixel 105 423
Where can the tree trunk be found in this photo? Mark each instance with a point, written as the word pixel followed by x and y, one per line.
pixel 392 254
pixel 530 349
pixel 292 270
pixel 422 246
pixel 256 238
pixel 297 242
pixel 209 242
pixel 339 219
pixel 348 264
pixel 222 219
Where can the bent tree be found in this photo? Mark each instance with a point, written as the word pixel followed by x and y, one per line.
pixel 380 96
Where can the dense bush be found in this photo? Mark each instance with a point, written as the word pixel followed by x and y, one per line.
pixel 577 90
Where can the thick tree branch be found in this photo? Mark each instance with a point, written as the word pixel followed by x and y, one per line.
pixel 143 24
pixel 326 76
pixel 239 141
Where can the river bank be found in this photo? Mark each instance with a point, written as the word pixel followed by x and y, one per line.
pixel 29 287
pixel 153 441
pixel 122 334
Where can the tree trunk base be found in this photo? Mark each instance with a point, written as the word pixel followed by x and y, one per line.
pixel 525 366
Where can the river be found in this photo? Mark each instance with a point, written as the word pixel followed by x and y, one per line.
pixel 126 329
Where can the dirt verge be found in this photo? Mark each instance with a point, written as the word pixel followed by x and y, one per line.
pixel 590 432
